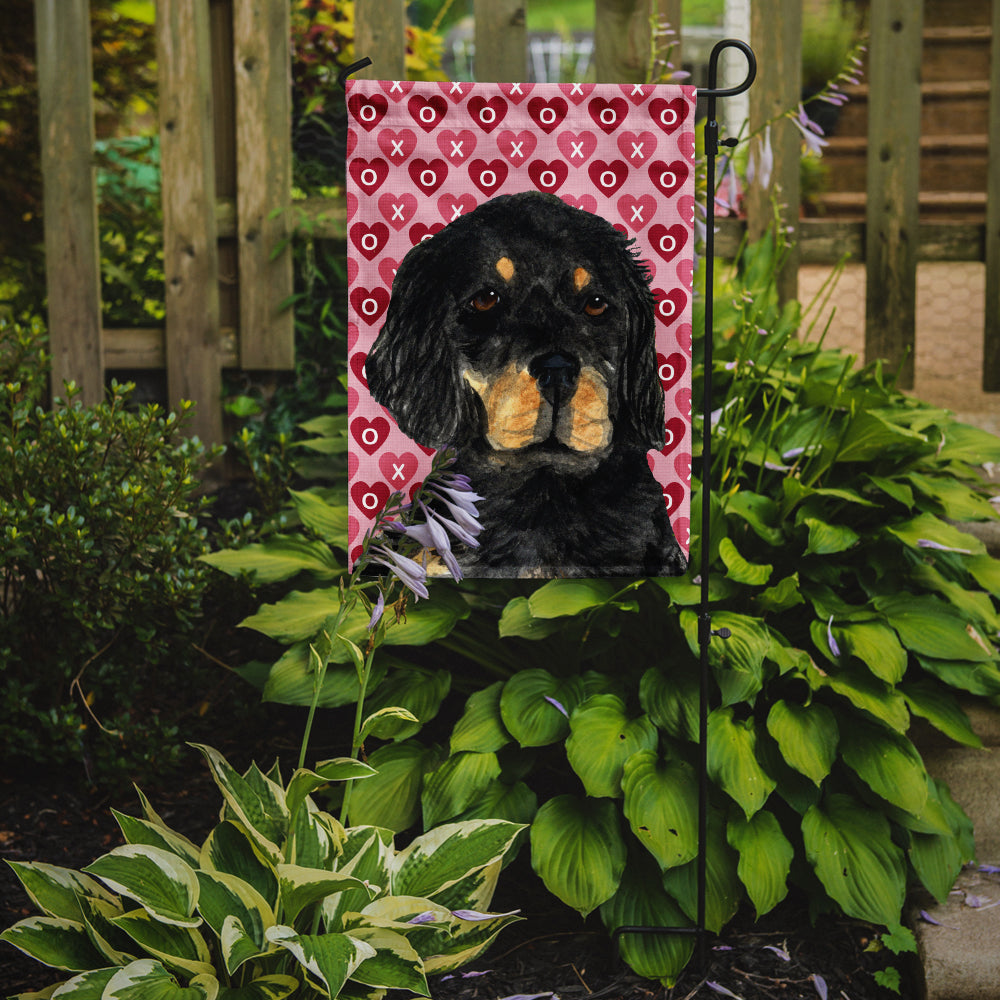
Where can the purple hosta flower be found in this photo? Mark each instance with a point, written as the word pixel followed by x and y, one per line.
pixel 780 952
pixel 377 612
pixel 427 917
pixel 820 984
pixel 989 869
pixel 834 648
pixel 410 573
pixel 558 705
pixel 927 543
pixel 475 915
pixel 812 134
pixel 719 988
pixel 760 166
pixel 729 200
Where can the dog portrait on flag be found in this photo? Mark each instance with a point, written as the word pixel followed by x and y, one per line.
pixel 520 295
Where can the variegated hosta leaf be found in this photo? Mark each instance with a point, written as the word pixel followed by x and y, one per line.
pixel 661 800
pixel 304 782
pixel 642 902
pixel 274 987
pixel 301 887
pixel 807 736
pixel 328 959
pixel 256 801
pixel 850 847
pixel 141 831
pixel 177 947
pixel 395 964
pixel 56 891
pixel 226 898
pixel 99 915
pixel 86 986
pixel 367 854
pixel 147 979
pixel 467 940
pixel 602 737
pixel 732 760
pixel 54 941
pixel 229 848
pixel 765 858
pixel 441 857
pixel 158 880
pixel 578 851
pixel 315 839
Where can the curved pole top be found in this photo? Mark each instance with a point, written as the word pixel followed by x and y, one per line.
pixel 713 68
pixel 353 68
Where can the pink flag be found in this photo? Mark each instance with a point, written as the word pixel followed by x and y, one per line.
pixel 520 267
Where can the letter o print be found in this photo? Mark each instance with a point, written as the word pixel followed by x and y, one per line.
pixel 488 179
pixel 368 113
pixel 608 179
pixel 668 180
pixel 668 117
pixel 666 308
pixel 547 178
pixel 369 177
pixel 487 115
pixel 608 116
pixel 666 372
pixel 369 242
pixel 369 501
pixel 369 436
pixel 547 116
pixel 668 243
pixel 428 178
pixel 369 307
pixel 428 114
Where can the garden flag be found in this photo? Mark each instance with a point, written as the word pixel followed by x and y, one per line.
pixel 520 262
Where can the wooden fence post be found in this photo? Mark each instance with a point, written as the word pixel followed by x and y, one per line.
pixel 501 41
pixel 776 35
pixel 380 34
pixel 262 61
pixel 190 251
pixel 621 40
pixel 72 255
pixel 892 215
pixel 991 332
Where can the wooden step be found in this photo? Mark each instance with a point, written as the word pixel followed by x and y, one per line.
pixel 958 206
pixel 956 53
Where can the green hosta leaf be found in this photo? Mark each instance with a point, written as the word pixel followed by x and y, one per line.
pixel 387 723
pixel 279 558
pixel 226 898
pixel 456 784
pixel 578 851
pixel 976 678
pixel 723 889
pixel 975 605
pixel 876 646
pixel 641 901
pixel 866 692
pixel 159 881
pixel 481 728
pixel 928 528
pixel 828 539
pixel 559 598
pixel 738 569
pixel 941 709
pixel 391 798
pixel 395 964
pixel 765 858
pixel 931 628
pixel 438 859
pixel 301 887
pixel 870 436
pixel 602 738
pixel 986 572
pixel 260 806
pixel 141 831
pixel 516 803
pixel 330 959
pixel 957 501
pixel 180 948
pixel 888 763
pixel 535 706
pixel 850 848
pixel 937 859
pixel 671 699
pixel 661 800
pixel 758 511
pixel 738 661
pixel 965 443
pixel 732 760
pixel 274 987
pixel 54 941
pixel 418 691
pixel 147 979
pixel 230 849
pixel 807 736
pixel 56 891
pixel 328 521
pixel 783 595
pixel 517 620
pixel 292 680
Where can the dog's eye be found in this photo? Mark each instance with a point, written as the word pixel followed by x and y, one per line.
pixel 596 305
pixel 486 300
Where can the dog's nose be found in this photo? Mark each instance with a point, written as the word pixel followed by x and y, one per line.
pixel 554 371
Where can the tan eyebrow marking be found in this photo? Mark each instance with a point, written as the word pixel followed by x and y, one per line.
pixel 581 278
pixel 506 268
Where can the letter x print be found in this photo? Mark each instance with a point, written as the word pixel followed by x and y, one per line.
pixel 397 472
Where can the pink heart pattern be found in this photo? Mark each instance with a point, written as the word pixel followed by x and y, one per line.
pixel 422 153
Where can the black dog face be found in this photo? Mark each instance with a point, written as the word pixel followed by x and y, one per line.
pixel 522 334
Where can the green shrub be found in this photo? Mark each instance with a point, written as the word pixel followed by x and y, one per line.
pixel 854 602
pixel 99 546
pixel 279 900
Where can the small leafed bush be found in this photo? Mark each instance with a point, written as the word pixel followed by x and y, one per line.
pixel 280 899
pixel 99 574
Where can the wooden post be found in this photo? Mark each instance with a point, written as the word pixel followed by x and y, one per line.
pixel 776 35
pixel 190 253
pixel 621 40
pixel 72 255
pixel 893 184
pixel 668 13
pixel 501 41
pixel 262 61
pixel 991 333
pixel 380 34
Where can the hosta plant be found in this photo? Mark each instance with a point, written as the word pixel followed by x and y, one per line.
pixel 279 900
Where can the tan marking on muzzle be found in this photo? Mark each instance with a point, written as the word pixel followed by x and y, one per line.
pixel 505 267
pixel 584 424
pixel 513 405
pixel 581 278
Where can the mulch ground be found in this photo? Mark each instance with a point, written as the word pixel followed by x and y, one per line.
pixel 550 953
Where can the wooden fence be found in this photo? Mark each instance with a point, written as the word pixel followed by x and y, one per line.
pixel 226 160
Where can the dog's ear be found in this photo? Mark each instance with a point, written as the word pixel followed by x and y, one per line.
pixel 412 369
pixel 640 403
